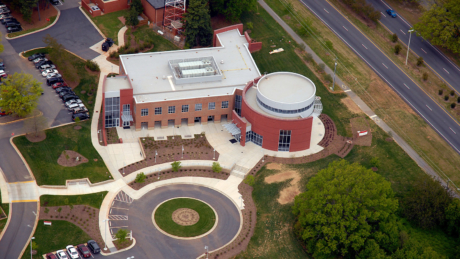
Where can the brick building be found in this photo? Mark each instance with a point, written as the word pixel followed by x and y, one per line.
pixel 221 83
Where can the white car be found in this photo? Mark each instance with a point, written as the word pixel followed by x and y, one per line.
pixel 67 104
pixel 39 59
pixel 51 75
pixel 46 66
pixel 61 254
pixel 72 252
pixel 75 106
pixel 48 71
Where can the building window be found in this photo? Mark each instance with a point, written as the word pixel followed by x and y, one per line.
pixel 198 107
pixel 285 140
pixel 112 112
pixel 255 138
pixel 172 109
pixel 224 104
pixel 144 112
pixel 238 99
pixel 158 110
pixel 185 108
pixel 211 106
pixel 283 111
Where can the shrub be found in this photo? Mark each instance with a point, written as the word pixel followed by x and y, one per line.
pixel 176 165
pixel 121 235
pixel 321 67
pixel 453 105
pixel 216 168
pixel 329 44
pixel 452 93
pixel 249 180
pixel 397 49
pixel 140 177
pixel 308 57
pixel 446 98
pixel 328 78
pixel 425 76
pixel 419 61
pixel 440 91
pixel 249 25
pixel 47 210
pixel 394 37
pixel 93 66
pixel 375 162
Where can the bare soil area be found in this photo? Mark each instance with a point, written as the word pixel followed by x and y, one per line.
pixel 68 158
pixel 287 194
pixel 45 14
pixel 351 105
pixel 361 124
pixel 32 137
pixel 219 21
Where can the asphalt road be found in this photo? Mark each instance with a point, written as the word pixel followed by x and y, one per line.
pixel 438 62
pixel 438 118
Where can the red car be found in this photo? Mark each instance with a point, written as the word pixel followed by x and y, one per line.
pixel 51 256
pixel 84 251
pixel 3 113
pixel 59 84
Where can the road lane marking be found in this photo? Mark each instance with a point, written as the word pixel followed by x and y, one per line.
pixel 428 107
pixel 345 28
pixel 385 65
pixel 402 31
pixel 383 14
pixel 364 46
pixel 452 130
pixel 406 86
pixel 446 70
pixel 424 51
pixel 325 10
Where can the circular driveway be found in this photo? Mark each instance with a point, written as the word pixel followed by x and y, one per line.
pixel 151 243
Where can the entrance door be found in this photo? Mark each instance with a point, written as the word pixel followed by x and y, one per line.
pixel 126 124
pixel 117 122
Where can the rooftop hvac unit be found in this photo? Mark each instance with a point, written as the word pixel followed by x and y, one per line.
pixel 206 62
pixel 209 71
pixel 190 65
pixel 198 72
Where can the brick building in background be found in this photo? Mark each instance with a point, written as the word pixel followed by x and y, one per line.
pixel 221 83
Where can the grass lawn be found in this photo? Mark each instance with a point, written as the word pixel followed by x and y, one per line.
pixel 144 33
pixel 273 237
pixel 164 220
pixel 55 237
pixel 109 23
pixel 31 52
pixel 93 200
pixel 6 209
pixel 42 156
pixel 15 34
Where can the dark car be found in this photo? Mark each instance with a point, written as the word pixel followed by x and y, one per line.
pixel 84 251
pixel 12 22
pixel 84 116
pixel 35 56
pixel 92 245
pixel 9 19
pixel 13 29
pixel 54 2
pixel 51 256
pixel 392 13
pixel 5 11
pixel 66 92
pixel 4 16
pixel 69 96
pixel 43 62
pixel 63 88
pixel 54 80
pixel 107 44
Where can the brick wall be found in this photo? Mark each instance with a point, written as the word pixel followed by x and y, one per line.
pixel 228 28
pixel 84 4
pixel 126 97
pixel 236 119
pixel 154 15
pixel 253 45
pixel 112 6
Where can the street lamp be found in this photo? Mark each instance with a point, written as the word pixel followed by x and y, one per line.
pixel 408 45
pixel 156 154
pixel 105 241
pixel 31 247
pixel 207 251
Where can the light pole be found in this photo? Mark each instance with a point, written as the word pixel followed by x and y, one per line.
pixel 408 45
pixel 105 241
pixel 333 80
pixel 182 151
pixel 156 154
pixel 207 251
pixel 31 246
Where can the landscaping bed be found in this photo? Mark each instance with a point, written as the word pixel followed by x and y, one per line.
pixel 4 210
pixel 47 15
pixel 93 200
pixel 112 135
pixel 185 171
pixel 170 150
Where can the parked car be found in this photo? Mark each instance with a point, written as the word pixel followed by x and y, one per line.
pixel 3 112
pixel 54 2
pixel 66 92
pixel 2 66
pixel 48 71
pixel 392 13
pixel 13 29
pixel 51 75
pixel 61 254
pixel 69 97
pixel 77 106
pixel 35 56
pixel 46 66
pixel 63 88
pixel 5 11
pixel 4 16
pixel 51 256
pixel 60 84
pixel 80 110
pixel 9 19
pixel 72 102
pixel 12 23
pixel 43 62
pixel 93 245
pixel 72 252
pixel 54 80
pixel 84 251
pixel 39 59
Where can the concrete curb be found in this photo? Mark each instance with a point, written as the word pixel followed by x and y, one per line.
pixel 4 186
pixel 122 250
pixel 33 231
pixel 23 119
pixel 22 158
pixel 91 21
pixel 7 220
pixel 42 29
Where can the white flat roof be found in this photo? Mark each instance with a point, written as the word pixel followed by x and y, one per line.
pixel 251 100
pixel 286 87
pixel 116 83
pixel 152 79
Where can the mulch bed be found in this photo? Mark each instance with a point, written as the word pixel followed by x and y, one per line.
pixel 112 136
pixel 123 245
pixel 44 14
pixel 240 243
pixel 84 217
pixel 68 158
pixel 36 137
pixel 170 150
pixel 169 174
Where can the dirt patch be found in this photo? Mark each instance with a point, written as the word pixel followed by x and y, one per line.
pixel 274 166
pixel 281 177
pixel 287 194
pixel 351 105
pixel 185 217
pixel 123 245
pixel 68 158
pixel 45 15
pixel 361 124
pixel 77 127
pixel 122 19
pixel 36 137
pixel 391 139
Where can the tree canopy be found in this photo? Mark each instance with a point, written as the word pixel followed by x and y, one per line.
pixel 131 18
pixel 347 210
pixel 441 24
pixel 62 58
pixel 232 9
pixel 19 94
pixel 198 24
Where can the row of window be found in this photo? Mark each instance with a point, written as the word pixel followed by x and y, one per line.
pixel 283 111
pixel 255 138
pixel 285 140
pixel 185 108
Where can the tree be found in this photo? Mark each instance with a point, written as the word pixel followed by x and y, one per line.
pixel 415 250
pixel 176 166
pixel 59 211
pixel 441 25
pixel 216 168
pixel 198 24
pixel 27 9
pixel 249 180
pixel 62 58
pixel 426 204
pixel 453 218
pixel 34 245
pixel 140 177
pixel 19 94
pixel 131 18
pixel 347 210
pixel 232 9
pixel 79 200
pixel 36 124
pixel 137 5
pixel 121 235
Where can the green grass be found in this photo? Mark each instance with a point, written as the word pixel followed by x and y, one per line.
pixel 93 200
pixel 31 52
pixel 42 156
pixel 19 33
pixel 109 23
pixel 6 209
pixel 144 33
pixel 164 220
pixel 55 237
